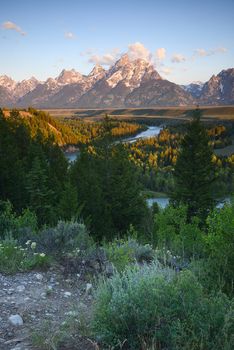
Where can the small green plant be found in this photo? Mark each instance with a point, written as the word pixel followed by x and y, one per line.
pixel 15 225
pixel 14 257
pixel 120 254
pixel 48 336
pixel 125 252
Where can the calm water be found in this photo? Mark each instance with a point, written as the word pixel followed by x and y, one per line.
pixel 150 132
pixel 71 156
pixel 163 202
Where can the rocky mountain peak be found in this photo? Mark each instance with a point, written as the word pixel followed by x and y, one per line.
pixel 219 89
pixel 123 61
pixel 7 82
pixel 97 69
pixel 69 77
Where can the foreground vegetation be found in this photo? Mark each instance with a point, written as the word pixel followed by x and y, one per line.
pixel 163 277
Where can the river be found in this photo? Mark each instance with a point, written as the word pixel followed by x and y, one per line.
pixel 150 132
pixel 163 202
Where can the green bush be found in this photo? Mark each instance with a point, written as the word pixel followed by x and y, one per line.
pixel 65 237
pixel 124 252
pixel 171 231
pixel 19 226
pixel 220 247
pixel 151 307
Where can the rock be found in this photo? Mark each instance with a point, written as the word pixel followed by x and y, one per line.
pixel 20 289
pixel 16 320
pixel 39 276
pixel 67 294
pixel 89 286
pixel 71 313
pixel 43 295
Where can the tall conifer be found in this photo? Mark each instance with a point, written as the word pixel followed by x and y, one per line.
pixel 194 171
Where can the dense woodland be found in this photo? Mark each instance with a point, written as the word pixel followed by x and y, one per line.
pixel 172 286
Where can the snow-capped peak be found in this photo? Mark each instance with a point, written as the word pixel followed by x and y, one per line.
pixel 97 69
pixel 7 82
pixel 69 77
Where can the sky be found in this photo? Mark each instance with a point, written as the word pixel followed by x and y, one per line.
pixel 186 40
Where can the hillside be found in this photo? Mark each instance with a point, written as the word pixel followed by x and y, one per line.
pixel 41 122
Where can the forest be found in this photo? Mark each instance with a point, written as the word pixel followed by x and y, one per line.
pixel 171 283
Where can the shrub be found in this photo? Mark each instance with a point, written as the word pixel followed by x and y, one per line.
pixel 65 237
pixel 151 307
pixel 220 247
pixel 172 232
pixel 124 252
pixel 19 226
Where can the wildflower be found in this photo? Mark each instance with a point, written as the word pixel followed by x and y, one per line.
pixel 33 245
pixel 28 242
pixel 42 255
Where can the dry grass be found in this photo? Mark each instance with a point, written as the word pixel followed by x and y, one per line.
pixel 184 113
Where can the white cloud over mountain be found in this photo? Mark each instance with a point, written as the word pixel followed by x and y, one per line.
pixel 203 53
pixel 138 50
pixel 178 58
pixel 107 59
pixel 160 53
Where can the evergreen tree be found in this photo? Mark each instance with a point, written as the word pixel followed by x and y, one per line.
pixel 108 189
pixel 68 204
pixel 40 195
pixel 194 171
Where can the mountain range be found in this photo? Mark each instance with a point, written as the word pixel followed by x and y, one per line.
pixel 128 83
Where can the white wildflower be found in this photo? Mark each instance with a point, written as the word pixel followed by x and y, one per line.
pixel 33 245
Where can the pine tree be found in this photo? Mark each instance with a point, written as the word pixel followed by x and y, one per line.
pixel 40 195
pixel 108 189
pixel 68 204
pixel 194 171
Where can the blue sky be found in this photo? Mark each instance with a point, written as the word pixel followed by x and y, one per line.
pixel 185 40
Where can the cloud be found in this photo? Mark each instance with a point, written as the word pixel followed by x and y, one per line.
pixel 87 52
pixel 178 58
pixel 138 50
pixel 160 54
pixel 106 59
pixel 12 26
pixel 200 52
pixel 166 70
pixel 69 35
pixel 205 53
